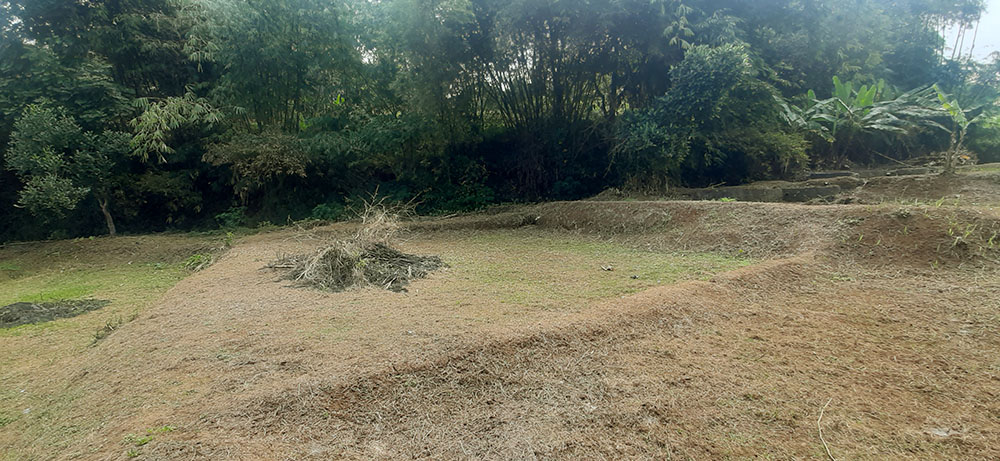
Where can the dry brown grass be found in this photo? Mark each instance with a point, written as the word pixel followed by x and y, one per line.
pixel 972 187
pixel 732 369
pixel 366 259
pixel 532 358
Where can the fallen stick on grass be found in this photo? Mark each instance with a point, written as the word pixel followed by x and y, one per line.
pixel 820 427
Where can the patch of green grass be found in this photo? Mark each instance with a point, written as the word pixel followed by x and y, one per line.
pixel 161 429
pixel 136 441
pixel 128 283
pixel 199 261
pixel 984 168
pixel 556 270
pixel 70 283
pixel 9 266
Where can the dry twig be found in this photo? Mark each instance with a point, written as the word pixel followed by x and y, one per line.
pixel 820 427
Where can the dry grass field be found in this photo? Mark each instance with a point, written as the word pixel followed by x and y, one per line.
pixel 721 331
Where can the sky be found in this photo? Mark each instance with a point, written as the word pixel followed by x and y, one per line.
pixel 988 39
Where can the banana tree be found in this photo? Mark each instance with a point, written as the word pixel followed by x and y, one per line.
pixel 960 123
pixel 852 118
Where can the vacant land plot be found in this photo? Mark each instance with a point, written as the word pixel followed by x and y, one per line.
pixel 569 330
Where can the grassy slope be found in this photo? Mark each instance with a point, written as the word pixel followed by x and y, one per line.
pixel 517 278
pixel 494 275
pixel 559 270
pixel 131 272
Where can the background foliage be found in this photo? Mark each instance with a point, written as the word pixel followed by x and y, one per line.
pixel 158 114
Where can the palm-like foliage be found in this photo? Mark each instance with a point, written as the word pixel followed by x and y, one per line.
pixel 961 120
pixel 852 119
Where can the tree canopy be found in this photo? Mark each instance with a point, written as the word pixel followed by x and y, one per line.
pixel 144 115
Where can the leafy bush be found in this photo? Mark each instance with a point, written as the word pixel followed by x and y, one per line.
pixel 464 197
pixel 717 122
pixel 857 119
pixel 50 195
pixel 329 212
pixel 233 218
pixel 984 140
pixel 257 161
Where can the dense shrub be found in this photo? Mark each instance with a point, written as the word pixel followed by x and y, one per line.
pixel 717 122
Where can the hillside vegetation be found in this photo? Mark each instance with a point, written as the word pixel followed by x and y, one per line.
pixel 146 115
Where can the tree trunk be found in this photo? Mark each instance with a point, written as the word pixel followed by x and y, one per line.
pixel 842 154
pixel 614 99
pixel 103 202
pixel 949 158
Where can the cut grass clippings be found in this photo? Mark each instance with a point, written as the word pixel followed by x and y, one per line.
pixel 347 264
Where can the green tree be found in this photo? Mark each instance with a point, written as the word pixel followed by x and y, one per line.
pixel 716 115
pixel 60 164
pixel 284 60
pixel 462 101
pixel 161 118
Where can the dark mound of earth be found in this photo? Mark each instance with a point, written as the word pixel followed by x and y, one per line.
pixel 24 313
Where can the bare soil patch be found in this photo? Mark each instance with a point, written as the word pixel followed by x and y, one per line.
pixel 23 313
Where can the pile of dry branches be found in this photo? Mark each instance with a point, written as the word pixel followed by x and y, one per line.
pixel 365 259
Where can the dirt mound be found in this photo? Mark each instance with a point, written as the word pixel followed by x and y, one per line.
pixel 759 230
pixel 971 187
pixel 342 266
pixel 775 191
pixel 918 236
pixel 118 250
pixel 885 234
pixel 24 313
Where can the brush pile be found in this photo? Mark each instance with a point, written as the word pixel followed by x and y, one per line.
pixel 365 259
